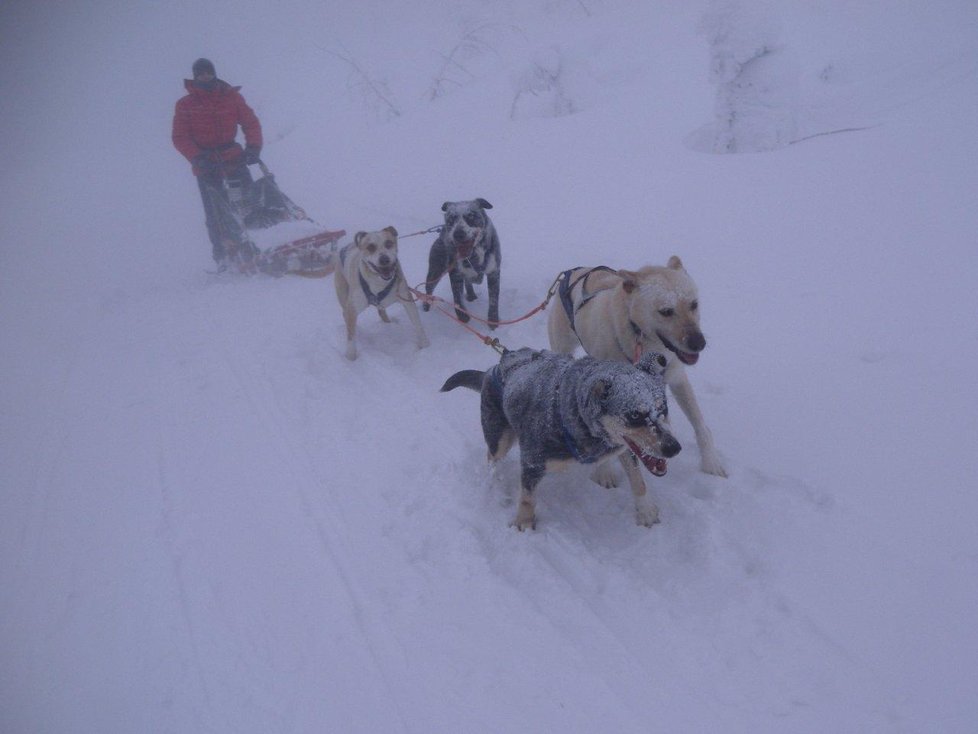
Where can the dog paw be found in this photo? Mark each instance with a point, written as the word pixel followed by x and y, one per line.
pixel 426 306
pixel 604 476
pixel 470 297
pixel 351 353
pixel 647 516
pixel 423 342
pixel 462 316
pixel 525 518
pixel 711 464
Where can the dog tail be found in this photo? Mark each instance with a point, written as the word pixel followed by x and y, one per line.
pixel 471 379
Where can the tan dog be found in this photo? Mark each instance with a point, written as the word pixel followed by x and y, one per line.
pixel 370 275
pixel 619 314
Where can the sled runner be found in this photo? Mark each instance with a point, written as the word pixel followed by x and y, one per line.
pixel 264 231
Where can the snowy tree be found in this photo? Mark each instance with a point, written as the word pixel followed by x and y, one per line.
pixel 756 79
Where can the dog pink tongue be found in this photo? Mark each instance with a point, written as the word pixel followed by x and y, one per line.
pixel 654 464
pixel 688 358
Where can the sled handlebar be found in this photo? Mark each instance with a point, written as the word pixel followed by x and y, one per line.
pixel 264 169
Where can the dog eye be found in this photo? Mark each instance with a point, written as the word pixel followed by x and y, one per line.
pixel 371 248
pixel 472 219
pixel 667 312
pixel 694 305
pixel 388 244
pixel 635 418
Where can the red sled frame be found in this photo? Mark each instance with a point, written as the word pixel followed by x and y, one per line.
pixel 312 256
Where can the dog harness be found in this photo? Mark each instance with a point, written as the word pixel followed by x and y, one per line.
pixel 495 383
pixel 343 251
pixel 372 298
pixel 565 291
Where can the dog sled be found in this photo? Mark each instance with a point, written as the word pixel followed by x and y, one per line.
pixel 264 231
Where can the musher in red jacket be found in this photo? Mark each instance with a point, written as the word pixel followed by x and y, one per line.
pixel 205 125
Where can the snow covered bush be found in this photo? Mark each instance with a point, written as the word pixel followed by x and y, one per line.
pixel 540 91
pixel 373 92
pixel 756 79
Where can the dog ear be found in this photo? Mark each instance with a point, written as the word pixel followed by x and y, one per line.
pixel 444 207
pixel 599 390
pixel 675 263
pixel 652 362
pixel 483 203
pixel 391 231
pixel 357 237
pixel 629 280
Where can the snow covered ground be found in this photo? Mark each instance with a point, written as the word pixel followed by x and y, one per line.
pixel 210 521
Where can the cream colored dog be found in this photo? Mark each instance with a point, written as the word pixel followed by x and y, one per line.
pixel 370 275
pixel 619 314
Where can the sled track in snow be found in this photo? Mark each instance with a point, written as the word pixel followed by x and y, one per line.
pixel 175 561
pixel 327 530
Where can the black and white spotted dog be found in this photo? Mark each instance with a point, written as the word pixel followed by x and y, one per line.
pixel 467 249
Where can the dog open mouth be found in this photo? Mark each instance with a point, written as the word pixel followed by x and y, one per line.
pixel 689 358
pixel 464 249
pixel 654 464
pixel 385 272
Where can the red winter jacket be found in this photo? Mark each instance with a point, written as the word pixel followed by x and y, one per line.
pixel 206 120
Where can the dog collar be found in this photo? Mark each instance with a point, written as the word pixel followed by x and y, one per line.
pixel 376 299
pixel 637 351
pixel 572 447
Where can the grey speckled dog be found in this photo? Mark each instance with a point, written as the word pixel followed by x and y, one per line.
pixel 466 249
pixel 562 410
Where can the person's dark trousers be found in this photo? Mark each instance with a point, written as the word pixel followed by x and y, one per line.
pixel 220 224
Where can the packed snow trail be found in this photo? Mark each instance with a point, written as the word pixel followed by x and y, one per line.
pixel 272 554
pixel 211 521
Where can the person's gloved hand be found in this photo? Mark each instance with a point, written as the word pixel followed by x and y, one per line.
pixel 251 154
pixel 205 165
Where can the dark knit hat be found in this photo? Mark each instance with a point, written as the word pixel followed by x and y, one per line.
pixel 202 65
